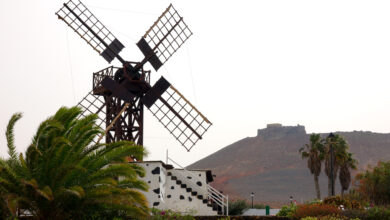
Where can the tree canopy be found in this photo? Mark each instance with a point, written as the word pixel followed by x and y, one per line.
pixel 374 184
pixel 64 174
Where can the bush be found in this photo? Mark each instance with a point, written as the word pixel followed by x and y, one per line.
pixel 375 213
pixel 355 195
pixel 237 207
pixel 315 210
pixel 374 184
pixel 315 201
pixel 310 218
pixel 355 214
pixel 288 211
pixel 168 214
pixel 327 217
pixel 345 202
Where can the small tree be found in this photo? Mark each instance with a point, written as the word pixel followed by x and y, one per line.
pixel 314 153
pixel 347 164
pixel 65 175
pixel 340 147
pixel 374 184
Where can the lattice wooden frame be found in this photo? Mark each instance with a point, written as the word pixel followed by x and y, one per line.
pixel 93 104
pixel 184 134
pixel 167 34
pixel 81 29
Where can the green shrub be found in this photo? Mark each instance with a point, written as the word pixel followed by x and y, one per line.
pixel 355 195
pixel 381 213
pixel 375 213
pixel 315 201
pixel 310 218
pixel 346 202
pixel 237 207
pixel 316 210
pixel 168 214
pixel 331 217
pixel 287 211
pixel 355 214
pixel 328 217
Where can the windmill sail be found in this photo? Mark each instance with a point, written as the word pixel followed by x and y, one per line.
pixel 164 37
pixel 93 104
pixel 176 113
pixel 87 26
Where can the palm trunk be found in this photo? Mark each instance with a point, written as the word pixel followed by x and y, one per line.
pixel 342 192
pixel 317 187
pixel 334 180
pixel 329 186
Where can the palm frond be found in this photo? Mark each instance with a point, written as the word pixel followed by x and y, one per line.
pixel 10 135
pixel 64 173
pixel 77 191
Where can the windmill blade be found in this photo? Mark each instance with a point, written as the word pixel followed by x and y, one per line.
pixel 87 26
pixel 176 113
pixel 164 37
pixel 93 104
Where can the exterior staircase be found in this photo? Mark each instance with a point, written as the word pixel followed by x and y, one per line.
pixel 193 191
pixel 207 194
pixel 181 190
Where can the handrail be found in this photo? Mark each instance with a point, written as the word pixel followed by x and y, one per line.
pixel 212 193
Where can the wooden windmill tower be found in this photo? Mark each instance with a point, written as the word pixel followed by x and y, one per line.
pixel 119 94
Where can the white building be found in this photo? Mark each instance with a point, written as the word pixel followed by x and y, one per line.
pixel 181 190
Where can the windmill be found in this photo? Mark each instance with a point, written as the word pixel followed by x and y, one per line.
pixel 119 94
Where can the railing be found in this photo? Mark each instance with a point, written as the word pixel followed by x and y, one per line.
pixel 212 194
pixel 110 72
pixel 100 75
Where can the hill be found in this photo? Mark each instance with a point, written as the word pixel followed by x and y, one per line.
pixel 270 166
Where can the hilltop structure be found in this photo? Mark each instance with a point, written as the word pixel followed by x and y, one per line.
pixel 276 130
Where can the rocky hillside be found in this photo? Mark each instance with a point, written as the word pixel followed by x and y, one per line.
pixel 270 166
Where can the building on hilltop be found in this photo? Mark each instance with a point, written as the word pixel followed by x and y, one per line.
pixel 277 130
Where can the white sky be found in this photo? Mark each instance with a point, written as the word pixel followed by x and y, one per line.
pixel 322 64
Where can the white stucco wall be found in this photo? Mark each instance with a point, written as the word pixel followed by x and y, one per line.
pixel 164 193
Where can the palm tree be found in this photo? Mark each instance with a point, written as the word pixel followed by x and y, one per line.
pixel 347 164
pixel 314 156
pixel 340 148
pixel 65 175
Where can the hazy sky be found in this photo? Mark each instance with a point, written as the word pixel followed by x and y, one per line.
pixel 322 64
